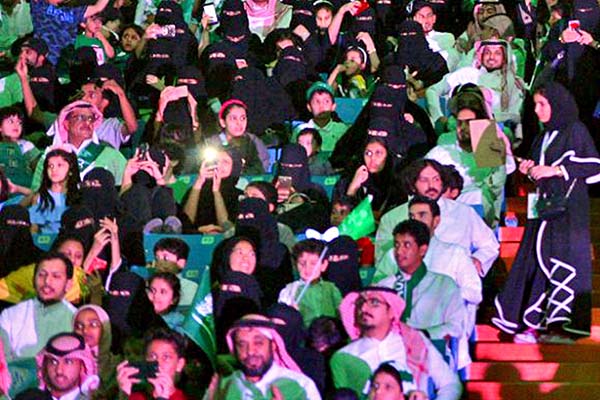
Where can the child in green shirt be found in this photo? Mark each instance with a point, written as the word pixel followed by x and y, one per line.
pixel 92 37
pixel 18 156
pixel 321 298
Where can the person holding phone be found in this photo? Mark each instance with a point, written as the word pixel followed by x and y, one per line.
pixel 233 119
pixel 212 202
pixel 164 354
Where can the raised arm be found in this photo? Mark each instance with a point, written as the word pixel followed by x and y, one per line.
pixel 96 8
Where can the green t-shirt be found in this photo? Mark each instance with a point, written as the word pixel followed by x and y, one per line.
pixel 83 41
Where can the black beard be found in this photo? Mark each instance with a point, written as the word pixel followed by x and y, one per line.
pixel 48 303
pixel 260 371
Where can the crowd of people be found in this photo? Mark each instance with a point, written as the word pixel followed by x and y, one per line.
pixel 349 162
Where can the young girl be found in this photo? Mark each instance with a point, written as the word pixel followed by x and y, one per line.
pixel 164 292
pixel 233 120
pixel 59 190
pixel 23 156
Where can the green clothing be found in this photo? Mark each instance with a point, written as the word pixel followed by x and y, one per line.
pixel 331 133
pixel 11 91
pixel 293 386
pixel 322 298
pixel 26 327
pixel 84 41
pixel 487 181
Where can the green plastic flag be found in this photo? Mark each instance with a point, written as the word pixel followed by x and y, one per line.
pixel 360 222
pixel 199 323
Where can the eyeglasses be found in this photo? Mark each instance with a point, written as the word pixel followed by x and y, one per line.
pixel 371 301
pixel 82 118
pixel 92 324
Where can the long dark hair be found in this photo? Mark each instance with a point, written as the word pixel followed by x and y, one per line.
pixel 73 181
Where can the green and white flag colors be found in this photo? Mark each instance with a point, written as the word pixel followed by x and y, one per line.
pixel 360 222
pixel 199 323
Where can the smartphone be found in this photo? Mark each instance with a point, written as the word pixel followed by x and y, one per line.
pixel 147 369
pixel 574 25
pixel 143 151
pixel 211 11
pixel 167 31
pixel 364 5
pixel 285 182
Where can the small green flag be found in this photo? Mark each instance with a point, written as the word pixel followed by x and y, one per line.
pixel 199 323
pixel 360 222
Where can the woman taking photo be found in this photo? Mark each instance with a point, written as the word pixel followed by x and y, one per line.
pixel 549 286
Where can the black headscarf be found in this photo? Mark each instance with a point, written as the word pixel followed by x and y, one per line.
pixel 144 199
pixel 170 13
pixel 364 22
pixel 248 285
pixel 414 52
pixel 255 221
pixel 79 221
pixel 394 78
pixel 294 335
pixel 343 270
pixel 102 200
pixel 220 261
pixel 294 163
pixel 206 214
pixel 266 99
pixel 16 244
pixel 290 67
pixel 43 83
pixel 191 72
pixel 563 105
pixel 303 14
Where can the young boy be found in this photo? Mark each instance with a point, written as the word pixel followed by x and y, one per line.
pixel 175 251
pixel 321 104
pixel 322 298
pixel 18 156
pixel 318 161
pixel 93 37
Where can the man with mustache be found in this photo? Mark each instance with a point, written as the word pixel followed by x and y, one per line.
pixel 266 367
pixel 67 368
pixel 373 320
pixel 76 130
pixel 460 224
pixel 27 326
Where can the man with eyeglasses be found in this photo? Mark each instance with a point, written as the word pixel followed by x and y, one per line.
pixel 76 131
pixel 372 319
pixel 460 223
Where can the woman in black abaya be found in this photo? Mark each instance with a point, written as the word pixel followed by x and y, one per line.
pixel 549 286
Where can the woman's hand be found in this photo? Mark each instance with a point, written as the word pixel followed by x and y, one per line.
pixel 525 166
pixel 101 239
pixel 544 171
pixel 360 176
pixel 216 181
